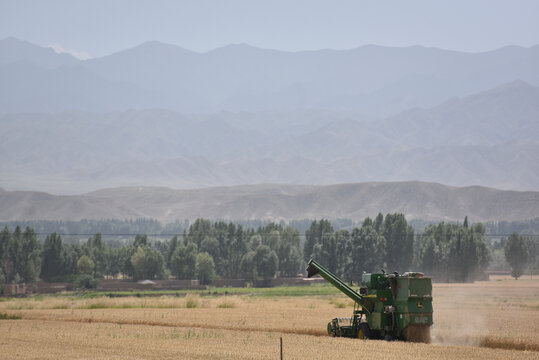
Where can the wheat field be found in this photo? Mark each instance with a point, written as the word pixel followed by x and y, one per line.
pixel 498 319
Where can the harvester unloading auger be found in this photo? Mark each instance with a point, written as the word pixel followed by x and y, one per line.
pixel 388 306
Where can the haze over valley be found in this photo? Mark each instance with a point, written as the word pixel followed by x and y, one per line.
pixel 160 115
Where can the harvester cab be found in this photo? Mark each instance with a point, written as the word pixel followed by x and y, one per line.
pixel 387 306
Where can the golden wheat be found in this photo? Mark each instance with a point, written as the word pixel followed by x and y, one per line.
pixel 30 339
pixel 497 314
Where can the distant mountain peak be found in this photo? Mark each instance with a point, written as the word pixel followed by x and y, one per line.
pixel 154 48
pixel 239 47
pixel 10 39
pixel 515 84
pixel 515 87
pixel 15 50
pixel 158 45
pixel 155 43
pixel 13 41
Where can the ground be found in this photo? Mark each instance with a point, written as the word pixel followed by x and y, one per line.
pixel 498 319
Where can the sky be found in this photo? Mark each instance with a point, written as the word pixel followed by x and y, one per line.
pixel 100 27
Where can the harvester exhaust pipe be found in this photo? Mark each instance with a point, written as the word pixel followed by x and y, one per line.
pixel 311 270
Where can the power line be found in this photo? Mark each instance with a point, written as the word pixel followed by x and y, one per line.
pixel 213 234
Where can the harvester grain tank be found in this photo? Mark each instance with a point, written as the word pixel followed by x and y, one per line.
pixel 387 306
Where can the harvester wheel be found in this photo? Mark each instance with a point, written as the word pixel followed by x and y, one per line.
pixel 331 329
pixel 364 331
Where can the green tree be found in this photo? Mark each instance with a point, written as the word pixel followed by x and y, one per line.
pixel 367 252
pixel 516 254
pixel 138 260
pixel 378 223
pixel 314 236
pixel 199 230
pixel 147 263
pixel 237 246
pixel 248 267
pixel 96 250
pixel 272 239
pixel 342 252
pixel 85 265
pixel 204 268
pixel 184 261
pixel 29 262
pixel 288 252
pixel 155 263
pixel 210 245
pixel 399 242
pixel 140 240
pixel 2 281
pixel 429 255
pixel 325 252
pixel 4 243
pixel 255 241
pixel 6 261
pixel 265 260
pixel 173 244
pixel 71 254
pixel 483 252
pixel 531 244
pixel 16 256
pixel 53 262
pixel 123 255
pixel 114 263
pixel 451 252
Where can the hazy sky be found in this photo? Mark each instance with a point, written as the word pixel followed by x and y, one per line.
pixel 100 27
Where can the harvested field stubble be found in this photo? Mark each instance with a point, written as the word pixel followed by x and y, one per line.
pixel 497 314
pixel 24 339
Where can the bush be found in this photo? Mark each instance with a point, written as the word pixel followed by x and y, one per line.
pixel 87 282
pixel 4 316
pixel 191 302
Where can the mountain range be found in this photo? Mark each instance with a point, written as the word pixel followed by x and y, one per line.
pixel 488 138
pixel 418 200
pixel 161 115
pixel 371 80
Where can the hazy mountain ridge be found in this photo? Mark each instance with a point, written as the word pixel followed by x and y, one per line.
pixel 489 138
pixel 418 200
pixel 15 50
pixel 370 79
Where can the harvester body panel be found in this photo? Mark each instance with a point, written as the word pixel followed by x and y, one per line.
pixel 389 306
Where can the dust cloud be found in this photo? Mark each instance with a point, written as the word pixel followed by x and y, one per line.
pixel 457 320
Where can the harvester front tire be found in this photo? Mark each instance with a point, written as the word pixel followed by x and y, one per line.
pixel 330 329
pixel 364 331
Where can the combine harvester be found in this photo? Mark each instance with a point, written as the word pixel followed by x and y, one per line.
pixel 388 306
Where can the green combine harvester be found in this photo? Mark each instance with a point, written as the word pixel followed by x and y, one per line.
pixel 388 306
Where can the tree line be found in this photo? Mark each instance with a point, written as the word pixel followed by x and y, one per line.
pixel 121 227
pixel 206 250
